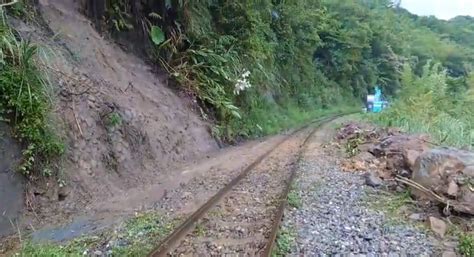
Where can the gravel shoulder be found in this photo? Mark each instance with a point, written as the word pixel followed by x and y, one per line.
pixel 334 216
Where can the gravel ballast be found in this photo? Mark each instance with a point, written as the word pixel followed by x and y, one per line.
pixel 334 218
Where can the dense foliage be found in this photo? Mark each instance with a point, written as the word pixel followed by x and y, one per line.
pixel 427 105
pixel 258 66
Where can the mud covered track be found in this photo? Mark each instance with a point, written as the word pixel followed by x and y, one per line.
pixel 224 223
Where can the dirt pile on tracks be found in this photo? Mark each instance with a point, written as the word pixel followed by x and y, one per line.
pixel 441 175
pixel 123 126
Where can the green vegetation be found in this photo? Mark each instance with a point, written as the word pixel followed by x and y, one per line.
pixel 75 248
pixel 392 204
pixel 257 67
pixel 286 239
pixel 261 66
pixel 200 230
pixel 137 237
pixel 24 100
pixel 142 233
pixel 113 120
pixel 294 199
pixel 427 104
pixel 352 146
pixel 466 244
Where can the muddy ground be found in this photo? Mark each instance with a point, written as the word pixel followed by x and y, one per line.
pixel 11 182
pixel 124 128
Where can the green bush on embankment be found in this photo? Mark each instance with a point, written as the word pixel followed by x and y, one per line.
pixel 24 100
pixel 427 104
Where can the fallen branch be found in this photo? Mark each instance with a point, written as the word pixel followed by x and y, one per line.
pixel 441 199
pixel 8 4
pixel 421 188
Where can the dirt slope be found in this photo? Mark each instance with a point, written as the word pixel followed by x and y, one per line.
pixel 11 182
pixel 124 127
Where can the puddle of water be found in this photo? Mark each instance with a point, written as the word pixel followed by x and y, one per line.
pixel 81 226
pixel 11 182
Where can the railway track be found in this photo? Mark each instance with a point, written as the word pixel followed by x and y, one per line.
pixel 243 218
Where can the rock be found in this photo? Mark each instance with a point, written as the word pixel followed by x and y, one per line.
pixel 410 156
pixel 97 253
pixel 371 179
pixel 400 189
pixel 453 188
pixel 449 254
pixel 365 156
pixel 405 173
pixel 399 153
pixel 63 192
pixel 446 171
pixel 416 217
pixel 438 226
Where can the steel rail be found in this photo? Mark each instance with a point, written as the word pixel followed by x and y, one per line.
pixel 186 227
pixel 284 197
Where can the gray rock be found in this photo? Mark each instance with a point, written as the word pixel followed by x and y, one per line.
pixel 438 226
pixel 371 179
pixel 416 217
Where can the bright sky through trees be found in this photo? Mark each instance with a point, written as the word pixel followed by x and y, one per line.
pixel 443 9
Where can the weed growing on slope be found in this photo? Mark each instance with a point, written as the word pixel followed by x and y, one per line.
pixel 24 100
pixel 114 120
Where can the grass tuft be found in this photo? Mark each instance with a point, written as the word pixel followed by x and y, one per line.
pixel 136 237
pixel 285 241
pixel 466 245
pixel 294 199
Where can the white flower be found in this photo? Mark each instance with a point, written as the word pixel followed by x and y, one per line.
pixel 242 83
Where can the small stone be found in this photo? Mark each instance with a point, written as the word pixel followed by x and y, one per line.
pixel 400 189
pixel 371 179
pixel 97 253
pixel 453 188
pixel 438 226
pixel 416 217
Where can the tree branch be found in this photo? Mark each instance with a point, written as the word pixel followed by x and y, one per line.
pixel 8 4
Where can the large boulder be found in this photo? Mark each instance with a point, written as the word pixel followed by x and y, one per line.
pixel 400 151
pixel 449 173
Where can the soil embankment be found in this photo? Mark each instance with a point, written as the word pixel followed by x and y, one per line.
pixel 123 126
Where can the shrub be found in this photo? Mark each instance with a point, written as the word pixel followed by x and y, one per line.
pixel 426 105
pixel 24 101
